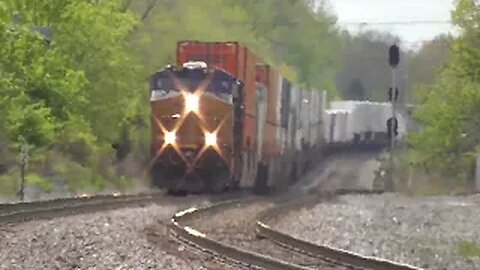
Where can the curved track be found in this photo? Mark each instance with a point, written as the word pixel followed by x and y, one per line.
pixel 22 212
pixel 336 256
pixel 241 232
pixel 258 245
pixel 252 244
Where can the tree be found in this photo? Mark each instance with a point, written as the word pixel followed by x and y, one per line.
pixel 77 75
pixel 424 64
pixel 366 56
pixel 286 34
pixel 450 114
pixel 356 91
pixel 35 87
pixel 74 77
pixel 73 89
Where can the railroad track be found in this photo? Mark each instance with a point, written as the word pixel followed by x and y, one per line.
pixel 21 212
pixel 258 245
pixel 328 253
pixel 27 211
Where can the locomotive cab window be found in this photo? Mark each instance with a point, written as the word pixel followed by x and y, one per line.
pixel 169 82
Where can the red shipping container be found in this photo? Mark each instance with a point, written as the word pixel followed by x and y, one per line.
pixel 237 60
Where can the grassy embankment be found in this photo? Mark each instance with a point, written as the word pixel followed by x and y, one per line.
pixel 413 180
pixel 52 170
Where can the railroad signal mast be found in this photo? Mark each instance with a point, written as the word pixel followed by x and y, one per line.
pixel 393 96
pixel 392 123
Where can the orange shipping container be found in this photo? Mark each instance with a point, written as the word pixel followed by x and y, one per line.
pixel 237 60
pixel 263 74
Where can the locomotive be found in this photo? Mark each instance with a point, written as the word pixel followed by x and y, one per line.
pixel 222 119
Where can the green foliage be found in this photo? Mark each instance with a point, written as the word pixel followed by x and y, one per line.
pixel 75 77
pixel 356 91
pixel 365 56
pixel 418 180
pixel 73 72
pixel 424 64
pixel 73 89
pixel 36 180
pixel 287 34
pixel 450 114
pixel 30 123
pixel 89 179
pixel 9 183
pixel 35 89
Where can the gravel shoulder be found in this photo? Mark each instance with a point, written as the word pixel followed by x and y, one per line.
pixel 431 233
pixel 134 238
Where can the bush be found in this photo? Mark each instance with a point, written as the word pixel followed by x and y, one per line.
pixel 411 178
pixel 45 184
pixel 9 183
pixel 95 176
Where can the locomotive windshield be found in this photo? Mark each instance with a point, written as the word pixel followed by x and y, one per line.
pixel 170 81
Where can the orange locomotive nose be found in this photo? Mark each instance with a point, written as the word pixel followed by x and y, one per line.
pixel 196 126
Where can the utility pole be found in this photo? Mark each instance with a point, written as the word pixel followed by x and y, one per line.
pixel 392 125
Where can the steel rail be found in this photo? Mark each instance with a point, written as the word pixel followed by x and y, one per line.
pixel 339 256
pixel 21 212
pixel 239 256
pixel 236 255
pixel 19 206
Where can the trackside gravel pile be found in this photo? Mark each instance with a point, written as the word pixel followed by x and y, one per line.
pixel 431 233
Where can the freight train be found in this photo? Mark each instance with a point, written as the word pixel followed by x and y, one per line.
pixel 223 119
pixel 361 123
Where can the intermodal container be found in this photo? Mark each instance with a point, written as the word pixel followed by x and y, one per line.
pixel 269 77
pixel 263 74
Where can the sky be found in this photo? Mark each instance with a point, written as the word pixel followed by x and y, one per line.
pixel 354 11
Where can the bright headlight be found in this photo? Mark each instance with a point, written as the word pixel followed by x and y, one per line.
pixel 170 137
pixel 210 139
pixel 191 103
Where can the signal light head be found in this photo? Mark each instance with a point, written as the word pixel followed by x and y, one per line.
pixel 394 56
pixel 191 103
pixel 170 137
pixel 210 139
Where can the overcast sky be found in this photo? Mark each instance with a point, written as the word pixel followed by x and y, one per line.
pixel 349 11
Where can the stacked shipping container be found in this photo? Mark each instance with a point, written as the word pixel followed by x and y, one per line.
pixel 271 78
pixel 237 60
pixel 293 115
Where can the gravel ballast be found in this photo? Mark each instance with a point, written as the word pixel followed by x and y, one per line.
pixel 135 238
pixel 431 233
pixel 236 227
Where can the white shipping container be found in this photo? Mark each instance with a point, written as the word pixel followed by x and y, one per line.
pixel 281 130
pixel 327 120
pixel 292 119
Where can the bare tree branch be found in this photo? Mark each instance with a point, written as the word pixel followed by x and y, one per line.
pixel 150 7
